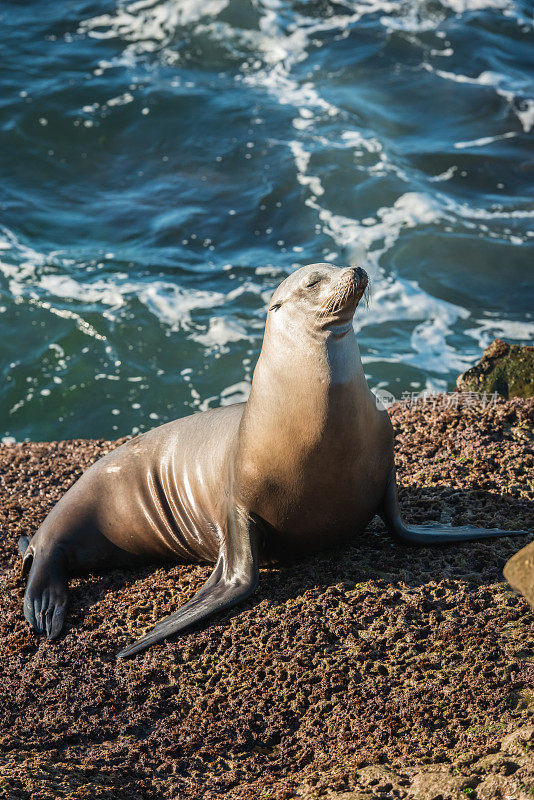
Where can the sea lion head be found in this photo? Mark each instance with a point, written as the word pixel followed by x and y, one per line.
pixel 322 297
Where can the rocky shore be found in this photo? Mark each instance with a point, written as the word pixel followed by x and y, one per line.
pixel 380 671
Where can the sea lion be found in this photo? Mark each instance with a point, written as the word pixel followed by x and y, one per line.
pixel 305 463
pixel 519 572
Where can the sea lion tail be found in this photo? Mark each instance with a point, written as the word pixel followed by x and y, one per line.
pixel 431 532
pixel 234 578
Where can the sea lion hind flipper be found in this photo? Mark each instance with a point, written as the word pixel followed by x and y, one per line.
pixel 234 578
pixel 431 532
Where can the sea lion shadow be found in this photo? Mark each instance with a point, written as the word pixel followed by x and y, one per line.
pixel 375 560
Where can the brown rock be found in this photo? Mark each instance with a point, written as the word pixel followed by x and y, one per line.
pixel 519 741
pixel 519 572
pixel 437 785
pixel 495 787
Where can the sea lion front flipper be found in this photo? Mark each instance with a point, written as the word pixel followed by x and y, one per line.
pixel 431 532
pixel 46 595
pixel 234 578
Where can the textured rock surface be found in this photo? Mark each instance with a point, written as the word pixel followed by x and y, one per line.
pixel 507 369
pixel 380 671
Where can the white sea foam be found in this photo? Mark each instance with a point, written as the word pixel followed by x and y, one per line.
pixel 64 286
pixel 431 351
pixel 302 158
pixel 149 23
pixel 409 210
pixel 484 140
pixel 463 6
pixel 489 329
pixel 464 213
pixel 356 139
pixel 444 176
pixel 221 332
pixel 237 393
pixel 173 304
pixel 120 100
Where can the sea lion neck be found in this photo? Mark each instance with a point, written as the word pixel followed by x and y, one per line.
pixel 301 350
pixel 306 382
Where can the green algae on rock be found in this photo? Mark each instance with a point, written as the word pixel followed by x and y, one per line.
pixel 507 369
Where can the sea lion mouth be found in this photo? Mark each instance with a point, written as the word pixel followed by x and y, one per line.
pixel 337 311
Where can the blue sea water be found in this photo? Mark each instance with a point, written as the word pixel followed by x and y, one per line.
pixel 166 163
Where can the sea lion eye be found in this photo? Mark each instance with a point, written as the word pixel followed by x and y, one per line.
pixel 314 280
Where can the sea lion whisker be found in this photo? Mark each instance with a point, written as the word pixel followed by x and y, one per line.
pixel 324 303
pixel 320 312
pixel 325 307
pixel 346 291
pixel 367 294
pixel 335 300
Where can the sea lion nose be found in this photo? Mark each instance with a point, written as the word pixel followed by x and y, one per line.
pixel 358 276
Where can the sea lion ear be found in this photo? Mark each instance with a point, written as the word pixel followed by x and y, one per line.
pixel 275 306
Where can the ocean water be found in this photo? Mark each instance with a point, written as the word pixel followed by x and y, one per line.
pixel 166 163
